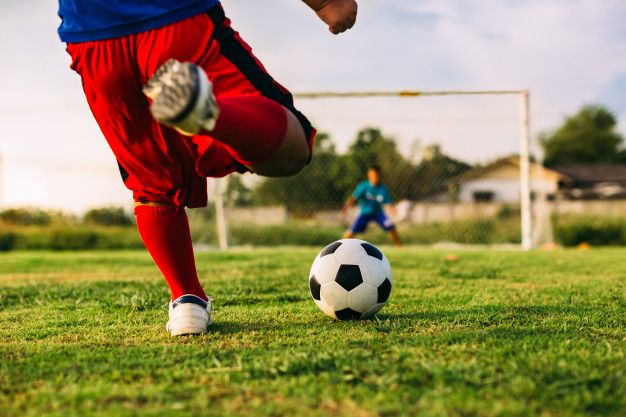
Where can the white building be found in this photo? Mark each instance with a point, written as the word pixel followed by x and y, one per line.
pixel 500 182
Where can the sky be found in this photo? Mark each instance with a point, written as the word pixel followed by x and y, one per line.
pixel 567 52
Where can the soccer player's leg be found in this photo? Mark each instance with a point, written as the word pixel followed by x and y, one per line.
pixel 395 237
pixel 359 226
pixel 388 226
pixel 156 165
pixel 250 113
pixel 164 230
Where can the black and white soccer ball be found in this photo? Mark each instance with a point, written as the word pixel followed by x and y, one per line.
pixel 350 280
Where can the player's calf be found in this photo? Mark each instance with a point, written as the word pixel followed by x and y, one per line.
pixel 292 155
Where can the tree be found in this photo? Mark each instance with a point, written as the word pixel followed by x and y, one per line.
pixel 236 193
pixel 330 178
pixel 590 136
pixel 322 184
pixel 433 173
pixel 108 216
pixel 371 147
pixel 367 147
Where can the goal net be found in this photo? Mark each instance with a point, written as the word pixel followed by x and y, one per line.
pixel 459 166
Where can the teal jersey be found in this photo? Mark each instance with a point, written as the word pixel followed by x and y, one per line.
pixel 371 198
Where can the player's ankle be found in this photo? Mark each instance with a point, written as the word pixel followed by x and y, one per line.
pixel 197 294
pixel 190 297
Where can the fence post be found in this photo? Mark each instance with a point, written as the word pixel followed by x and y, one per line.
pixel 220 216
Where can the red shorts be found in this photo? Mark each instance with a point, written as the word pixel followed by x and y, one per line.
pixel 157 163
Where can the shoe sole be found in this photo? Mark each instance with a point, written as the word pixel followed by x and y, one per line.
pixel 182 102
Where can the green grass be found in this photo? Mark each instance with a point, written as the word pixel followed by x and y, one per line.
pixel 493 333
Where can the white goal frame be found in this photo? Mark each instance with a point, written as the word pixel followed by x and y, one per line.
pixel 524 144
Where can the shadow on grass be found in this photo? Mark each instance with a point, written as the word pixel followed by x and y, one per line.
pixel 491 311
pixel 482 323
pixel 234 327
pixel 527 318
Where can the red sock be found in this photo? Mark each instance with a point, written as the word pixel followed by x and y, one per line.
pixel 254 127
pixel 165 232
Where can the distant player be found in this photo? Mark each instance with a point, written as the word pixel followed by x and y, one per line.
pixel 179 97
pixel 372 197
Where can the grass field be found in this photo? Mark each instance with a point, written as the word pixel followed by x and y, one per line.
pixel 493 333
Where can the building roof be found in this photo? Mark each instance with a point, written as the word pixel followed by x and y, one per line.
pixel 513 160
pixel 594 173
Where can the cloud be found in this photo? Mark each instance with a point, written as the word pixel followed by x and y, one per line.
pixel 568 52
pixel 614 96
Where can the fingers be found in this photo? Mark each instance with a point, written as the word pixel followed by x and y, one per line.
pixel 336 30
pixel 346 24
pixel 352 20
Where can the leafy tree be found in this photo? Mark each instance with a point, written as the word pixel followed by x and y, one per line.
pixel 432 174
pixel 108 216
pixel 590 136
pixel 331 177
pixel 367 147
pixel 26 217
pixel 321 184
pixel 236 193
pixel 404 179
pixel 371 147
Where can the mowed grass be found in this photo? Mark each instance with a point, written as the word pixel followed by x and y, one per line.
pixel 492 333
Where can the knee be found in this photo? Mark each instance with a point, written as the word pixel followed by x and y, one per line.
pixel 294 153
pixel 294 165
pixel 286 165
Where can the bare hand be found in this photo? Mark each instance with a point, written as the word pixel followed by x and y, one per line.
pixel 339 15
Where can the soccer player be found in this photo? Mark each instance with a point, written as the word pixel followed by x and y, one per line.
pixel 372 197
pixel 180 97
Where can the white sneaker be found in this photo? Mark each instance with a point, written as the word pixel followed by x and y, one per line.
pixel 189 314
pixel 182 97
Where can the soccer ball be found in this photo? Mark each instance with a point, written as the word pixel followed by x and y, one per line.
pixel 350 280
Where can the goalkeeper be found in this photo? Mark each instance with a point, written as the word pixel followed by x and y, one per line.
pixel 372 197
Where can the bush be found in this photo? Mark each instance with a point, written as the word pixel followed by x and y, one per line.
pixel 108 216
pixel 310 234
pixel 7 241
pixel 70 238
pixel 470 232
pixel 25 217
pixel 570 231
pixel 597 231
pixel 508 212
pixel 294 234
pixel 73 240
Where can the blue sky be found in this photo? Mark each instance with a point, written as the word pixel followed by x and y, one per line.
pixel 568 52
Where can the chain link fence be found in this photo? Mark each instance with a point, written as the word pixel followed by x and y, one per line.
pixel 452 165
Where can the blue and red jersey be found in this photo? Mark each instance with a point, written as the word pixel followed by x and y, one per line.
pixel 371 198
pixel 93 20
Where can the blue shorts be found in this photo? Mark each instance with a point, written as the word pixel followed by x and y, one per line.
pixel 361 222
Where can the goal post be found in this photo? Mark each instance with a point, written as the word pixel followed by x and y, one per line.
pixel 525 198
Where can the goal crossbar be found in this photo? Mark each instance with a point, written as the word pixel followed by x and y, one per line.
pixel 405 93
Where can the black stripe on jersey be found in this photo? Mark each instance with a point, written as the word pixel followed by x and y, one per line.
pixel 232 49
